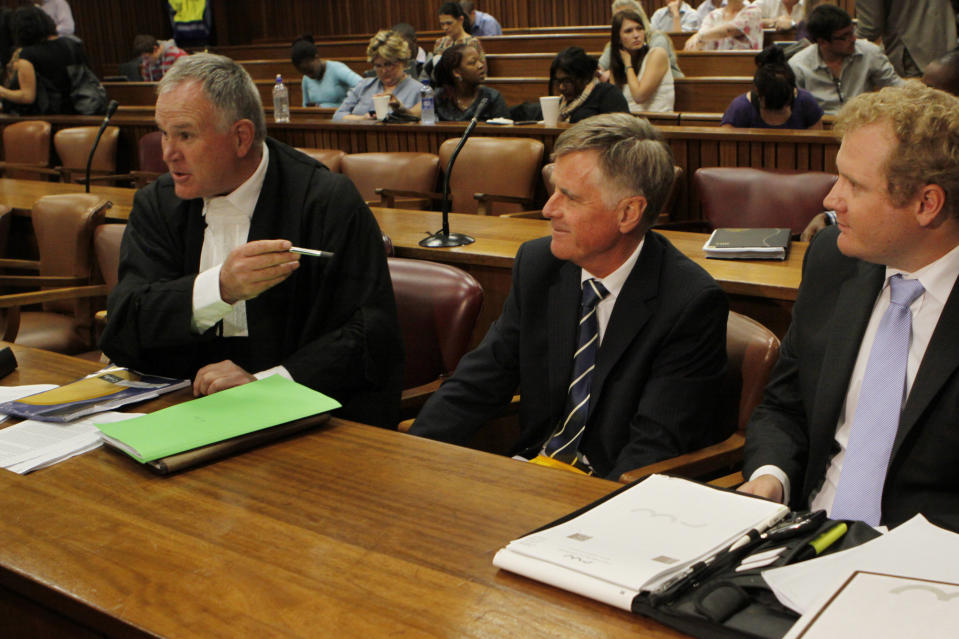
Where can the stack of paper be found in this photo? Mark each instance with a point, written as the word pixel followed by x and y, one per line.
pixel 12 393
pixel 104 390
pixel 638 540
pixel 897 607
pixel 914 549
pixel 31 444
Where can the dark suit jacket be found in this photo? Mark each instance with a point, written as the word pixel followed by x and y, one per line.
pixel 655 387
pixel 795 425
pixel 332 323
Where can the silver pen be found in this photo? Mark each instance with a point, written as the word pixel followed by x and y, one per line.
pixel 312 252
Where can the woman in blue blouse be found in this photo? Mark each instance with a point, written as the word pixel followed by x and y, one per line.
pixel 388 53
pixel 325 82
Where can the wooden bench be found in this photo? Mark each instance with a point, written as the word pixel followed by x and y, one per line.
pixel 692 63
pixel 693 146
pixel 711 94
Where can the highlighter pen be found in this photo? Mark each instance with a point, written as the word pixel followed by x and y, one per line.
pixel 818 545
pixel 311 252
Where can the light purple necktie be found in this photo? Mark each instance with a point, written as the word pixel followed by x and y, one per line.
pixel 859 493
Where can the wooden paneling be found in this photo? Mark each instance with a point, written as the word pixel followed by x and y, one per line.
pixel 108 27
pixel 692 146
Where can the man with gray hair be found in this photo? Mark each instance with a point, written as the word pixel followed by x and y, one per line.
pixel 615 340
pixel 208 286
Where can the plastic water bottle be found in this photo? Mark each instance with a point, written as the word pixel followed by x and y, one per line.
pixel 281 101
pixel 427 104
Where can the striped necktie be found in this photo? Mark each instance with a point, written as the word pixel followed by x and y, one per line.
pixel 564 443
pixel 874 426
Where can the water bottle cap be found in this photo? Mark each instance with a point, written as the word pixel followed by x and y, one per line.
pixel 279 78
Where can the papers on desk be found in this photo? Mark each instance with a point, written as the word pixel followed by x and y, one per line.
pixel 104 390
pixel 221 416
pixel 11 393
pixel 897 607
pixel 637 540
pixel 914 549
pixel 31 445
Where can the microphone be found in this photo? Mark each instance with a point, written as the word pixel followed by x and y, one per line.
pixel 111 109
pixel 443 238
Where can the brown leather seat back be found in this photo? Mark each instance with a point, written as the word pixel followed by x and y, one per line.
pixel 106 246
pixel 331 158
pixel 437 306
pixel 752 351
pixel 402 171
pixel 150 153
pixel 73 148
pixel 26 142
pixel 5 217
pixel 502 166
pixel 64 227
pixel 745 197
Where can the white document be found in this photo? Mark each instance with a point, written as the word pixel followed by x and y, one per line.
pixel 883 607
pixel 13 393
pixel 637 540
pixel 31 444
pixel 914 549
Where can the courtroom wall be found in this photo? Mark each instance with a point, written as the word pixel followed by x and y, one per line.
pixel 107 27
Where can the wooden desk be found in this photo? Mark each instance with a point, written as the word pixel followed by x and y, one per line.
pixel 345 531
pixel 21 194
pixel 764 290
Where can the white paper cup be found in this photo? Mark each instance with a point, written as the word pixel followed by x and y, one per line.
pixel 550 106
pixel 381 103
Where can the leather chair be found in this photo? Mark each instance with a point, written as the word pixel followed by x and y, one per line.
pixel 487 170
pixel 73 149
pixel 331 158
pixel 26 150
pixel 149 159
pixel 437 305
pixel 752 351
pixel 399 171
pixel 63 225
pixel 745 197
pixel 5 217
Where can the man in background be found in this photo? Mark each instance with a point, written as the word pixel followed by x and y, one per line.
pixel 839 67
pixel 913 34
pixel 156 57
pixel 483 24
pixel 60 12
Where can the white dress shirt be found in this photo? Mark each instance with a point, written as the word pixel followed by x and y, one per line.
pixel 227 227
pixel 614 284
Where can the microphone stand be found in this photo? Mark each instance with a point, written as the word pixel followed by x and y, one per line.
pixel 111 109
pixel 443 238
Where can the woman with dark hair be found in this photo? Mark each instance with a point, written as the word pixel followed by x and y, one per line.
pixel 641 71
pixel 775 102
pixel 325 82
pixel 456 28
pixel 573 75
pixel 40 83
pixel 459 76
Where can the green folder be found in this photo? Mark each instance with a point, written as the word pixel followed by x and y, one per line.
pixel 230 413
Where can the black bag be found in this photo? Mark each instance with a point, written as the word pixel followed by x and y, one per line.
pixel 87 95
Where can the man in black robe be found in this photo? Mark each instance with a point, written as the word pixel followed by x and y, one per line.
pixel 208 287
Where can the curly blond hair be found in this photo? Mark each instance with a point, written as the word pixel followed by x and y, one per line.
pixel 389 45
pixel 925 122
